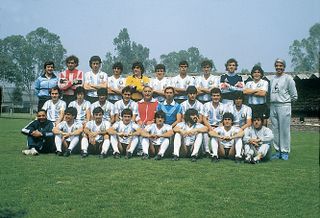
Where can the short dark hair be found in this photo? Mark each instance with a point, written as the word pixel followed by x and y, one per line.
pixel 73 58
pixel 257 115
pixel 190 112
pixel 42 110
pixel 48 63
pixel 159 67
pixel 168 87
pixel 160 114
pixel 138 64
pixel 94 58
pixel 183 63
pixel 238 95
pixel 78 90
pixel 126 111
pixel 55 88
pixel 119 65
pixel 231 60
pixel 191 90
pixel 215 90
pixel 97 110
pixel 206 62
pixel 127 89
pixel 72 111
pixel 102 91
pixel 228 115
pixel 257 67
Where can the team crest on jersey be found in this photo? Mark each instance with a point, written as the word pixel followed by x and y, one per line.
pixel 220 112
pixel 83 107
pixel 210 82
pixel 101 76
pixel 58 107
pixel 243 115
pixel 120 82
pixel 188 82
pixel 259 85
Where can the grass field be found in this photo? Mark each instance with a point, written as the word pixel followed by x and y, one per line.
pixel 50 186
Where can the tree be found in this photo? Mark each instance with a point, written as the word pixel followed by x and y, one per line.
pixel 305 53
pixel 128 52
pixel 192 56
pixel 22 58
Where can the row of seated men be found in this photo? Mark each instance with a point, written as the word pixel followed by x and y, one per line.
pixel 189 129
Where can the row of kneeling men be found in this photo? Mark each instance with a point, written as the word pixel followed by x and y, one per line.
pixel 126 138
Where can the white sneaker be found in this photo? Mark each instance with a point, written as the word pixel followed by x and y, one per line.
pixel 34 151
pixel 26 152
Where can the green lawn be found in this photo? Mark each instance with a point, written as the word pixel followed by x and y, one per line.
pixel 50 186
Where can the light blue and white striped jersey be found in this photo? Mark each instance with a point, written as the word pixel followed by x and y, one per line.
pixel 64 127
pixel 108 109
pixel 197 105
pixel 222 132
pixel 190 139
pixel 214 114
pixel 119 106
pixel 95 79
pixel 115 83
pixel 120 127
pixel 81 109
pixel 53 110
pixel 159 85
pixel 202 82
pixel 153 129
pixel 240 116
pixel 93 127
pixel 262 85
pixel 182 83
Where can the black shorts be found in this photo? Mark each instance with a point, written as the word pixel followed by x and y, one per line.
pixel 262 109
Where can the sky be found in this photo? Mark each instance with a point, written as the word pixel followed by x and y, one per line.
pixel 251 31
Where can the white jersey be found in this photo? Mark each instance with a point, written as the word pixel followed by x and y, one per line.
pixel 261 85
pixel 222 132
pixel 102 127
pixel 53 110
pixel 265 134
pixel 81 109
pixel 209 83
pixel 197 105
pixel 182 83
pixel 240 116
pixel 153 129
pixel 214 114
pixel 119 126
pixel 115 83
pixel 189 140
pixel 95 79
pixel 108 109
pixel 119 106
pixel 160 85
pixel 64 127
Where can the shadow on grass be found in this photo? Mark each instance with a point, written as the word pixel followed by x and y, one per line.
pixel 12 213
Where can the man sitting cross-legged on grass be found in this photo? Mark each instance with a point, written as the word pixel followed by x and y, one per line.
pixel 67 132
pixel 95 135
pixel 156 137
pixel 124 135
pixel 40 136
pixel 226 140
pixel 189 134
pixel 257 140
